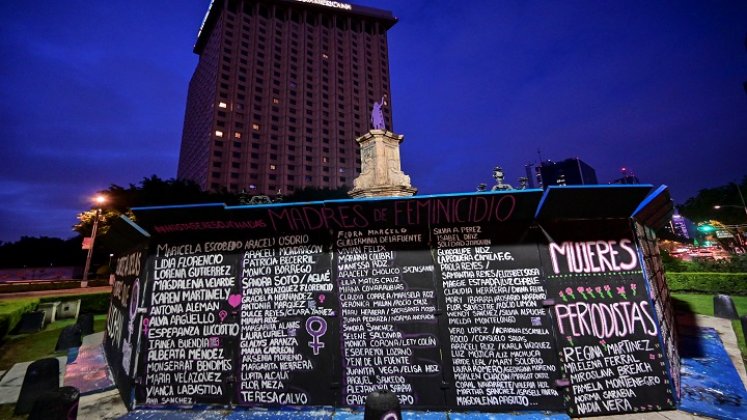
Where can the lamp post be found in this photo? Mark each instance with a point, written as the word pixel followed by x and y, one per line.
pixel 736 227
pixel 743 207
pixel 741 197
pixel 720 206
pixel 99 200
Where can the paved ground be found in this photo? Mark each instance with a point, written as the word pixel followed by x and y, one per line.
pixel 10 385
pixel 108 405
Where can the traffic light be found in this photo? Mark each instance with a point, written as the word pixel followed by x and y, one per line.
pixel 706 228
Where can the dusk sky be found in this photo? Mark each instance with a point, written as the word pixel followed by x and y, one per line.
pixel 93 94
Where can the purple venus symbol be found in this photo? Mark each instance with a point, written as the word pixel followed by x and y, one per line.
pixel 322 298
pixel 316 326
pixel 222 315
pixel 392 415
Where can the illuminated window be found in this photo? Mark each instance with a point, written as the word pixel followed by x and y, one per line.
pixel 275 100
pixel 255 126
pixel 237 135
pixel 273 167
pixel 222 105
pixel 218 133
pixel 325 160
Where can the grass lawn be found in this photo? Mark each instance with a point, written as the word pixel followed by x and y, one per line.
pixel 6 412
pixel 703 304
pixel 29 347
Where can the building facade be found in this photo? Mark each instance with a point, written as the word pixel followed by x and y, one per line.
pixel 280 93
pixel 571 171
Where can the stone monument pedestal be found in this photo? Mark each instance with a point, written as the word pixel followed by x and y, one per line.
pixel 381 168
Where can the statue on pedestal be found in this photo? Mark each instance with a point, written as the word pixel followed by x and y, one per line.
pixel 381 171
pixel 499 184
pixel 377 115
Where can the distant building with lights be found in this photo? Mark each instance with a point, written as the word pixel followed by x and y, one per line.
pixel 281 91
pixel 678 226
pixel 571 171
pixel 627 178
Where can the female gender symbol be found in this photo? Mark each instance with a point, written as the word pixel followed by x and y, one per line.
pixel 134 297
pixel 222 315
pixel 146 321
pixel 392 415
pixel 317 332
pixel 134 302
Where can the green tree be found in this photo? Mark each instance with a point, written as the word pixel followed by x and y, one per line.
pixel 151 191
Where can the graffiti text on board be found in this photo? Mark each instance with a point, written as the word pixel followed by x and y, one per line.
pixel 593 256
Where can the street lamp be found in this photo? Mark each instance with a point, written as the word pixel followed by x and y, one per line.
pixel 736 227
pixel 741 198
pixel 720 206
pixel 743 206
pixel 99 200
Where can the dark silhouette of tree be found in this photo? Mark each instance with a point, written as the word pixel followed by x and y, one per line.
pixel 317 194
pixel 41 252
pixel 701 207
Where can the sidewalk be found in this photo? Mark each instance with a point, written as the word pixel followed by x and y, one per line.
pixel 102 402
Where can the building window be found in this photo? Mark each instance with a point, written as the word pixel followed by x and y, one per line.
pixel 255 126
pixel 222 105
pixel 218 133
pixel 273 167
pixel 237 135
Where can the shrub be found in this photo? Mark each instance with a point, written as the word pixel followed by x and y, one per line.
pixel 11 311
pixel 737 264
pixel 94 303
pixel 47 285
pixel 709 283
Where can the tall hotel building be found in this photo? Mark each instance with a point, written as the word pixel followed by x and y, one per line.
pixel 281 91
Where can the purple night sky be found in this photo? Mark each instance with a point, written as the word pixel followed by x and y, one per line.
pixel 93 93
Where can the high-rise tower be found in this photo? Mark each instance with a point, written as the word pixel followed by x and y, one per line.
pixel 280 93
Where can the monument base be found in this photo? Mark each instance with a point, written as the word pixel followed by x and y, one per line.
pixel 381 172
pixel 386 191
